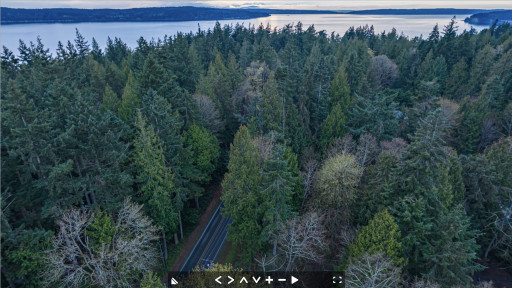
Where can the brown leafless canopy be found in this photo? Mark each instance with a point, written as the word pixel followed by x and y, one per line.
pixel 72 262
pixel 374 271
pixel 209 113
pixel 302 239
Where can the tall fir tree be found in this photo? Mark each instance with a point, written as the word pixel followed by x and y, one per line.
pixel 242 196
pixel 155 179
pixel 277 188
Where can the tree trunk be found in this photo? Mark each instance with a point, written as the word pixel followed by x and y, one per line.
pixel 176 241
pixel 181 225
pixel 64 234
pixel 197 202
pixel 87 199
pixel 284 113
pixel 275 247
pixel 165 245
pixel 93 197
pixel 489 248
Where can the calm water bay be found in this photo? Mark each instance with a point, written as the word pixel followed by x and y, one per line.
pixel 129 32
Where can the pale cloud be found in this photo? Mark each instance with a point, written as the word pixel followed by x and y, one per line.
pixel 277 4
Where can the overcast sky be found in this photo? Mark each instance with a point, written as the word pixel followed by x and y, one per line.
pixel 279 4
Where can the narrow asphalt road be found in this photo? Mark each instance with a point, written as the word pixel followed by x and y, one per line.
pixel 210 243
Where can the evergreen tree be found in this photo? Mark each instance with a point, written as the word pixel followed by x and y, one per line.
pixel 333 126
pixel 469 124
pixel 205 152
pixel 493 93
pixel 101 230
pixel 276 186
pixel 381 235
pixel 317 84
pixel 110 100
pixel 151 280
pixel 356 63
pixel 481 67
pixel 273 107
pixel 452 249
pixel 129 101
pixel 447 46
pixel 431 191
pixel 457 82
pixel 340 91
pixel 155 179
pixel 241 195
pixel 375 114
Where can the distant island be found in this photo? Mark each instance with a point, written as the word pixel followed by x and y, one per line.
pixel 188 13
pixel 488 18
pixel 155 14
pixel 434 11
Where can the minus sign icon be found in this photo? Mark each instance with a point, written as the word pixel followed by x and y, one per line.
pixel 281 280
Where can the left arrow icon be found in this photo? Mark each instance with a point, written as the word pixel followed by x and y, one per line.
pixel 217 279
pixel 231 279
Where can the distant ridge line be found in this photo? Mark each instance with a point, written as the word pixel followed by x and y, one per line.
pixel 188 13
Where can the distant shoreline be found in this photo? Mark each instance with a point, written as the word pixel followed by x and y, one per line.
pixel 489 18
pixel 13 16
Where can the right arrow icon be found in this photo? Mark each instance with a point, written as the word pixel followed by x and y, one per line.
pixel 294 280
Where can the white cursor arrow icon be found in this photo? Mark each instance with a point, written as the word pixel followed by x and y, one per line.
pixel 217 279
pixel 230 280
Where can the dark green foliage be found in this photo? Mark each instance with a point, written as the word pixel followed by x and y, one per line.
pixel 356 63
pixel 71 138
pixel 129 101
pixel 429 207
pixel 101 230
pixel 457 82
pixel 277 185
pixel 469 126
pixel 154 178
pixel 204 155
pixel 375 114
pixel 241 195
pixel 204 149
pixel 22 254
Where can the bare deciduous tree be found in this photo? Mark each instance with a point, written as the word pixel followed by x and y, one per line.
pixel 490 132
pixel 501 224
pixel 339 145
pixel 486 284
pixel 308 171
pixel 367 149
pixel 397 146
pixel 384 70
pixel 421 283
pixel 269 264
pixel 302 239
pixel 209 114
pixel 373 271
pixel 74 262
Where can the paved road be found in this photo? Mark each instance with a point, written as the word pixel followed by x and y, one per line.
pixel 210 243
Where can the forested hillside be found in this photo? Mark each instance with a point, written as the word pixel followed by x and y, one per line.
pixel 384 157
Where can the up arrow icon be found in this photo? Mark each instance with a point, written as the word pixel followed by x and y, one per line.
pixel 244 280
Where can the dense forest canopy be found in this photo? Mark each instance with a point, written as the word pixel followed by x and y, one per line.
pixel 373 154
